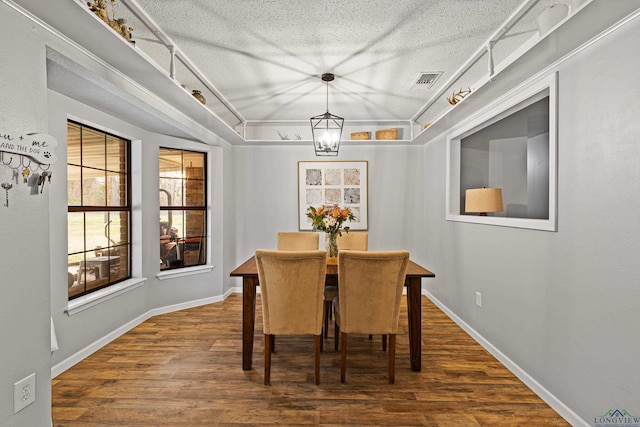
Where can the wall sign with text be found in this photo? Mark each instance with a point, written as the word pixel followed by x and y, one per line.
pixel 27 159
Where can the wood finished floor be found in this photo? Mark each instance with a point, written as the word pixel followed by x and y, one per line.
pixel 184 369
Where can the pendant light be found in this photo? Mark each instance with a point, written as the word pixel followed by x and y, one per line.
pixel 326 128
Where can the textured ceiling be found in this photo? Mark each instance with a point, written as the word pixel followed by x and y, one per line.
pixel 262 60
pixel 265 57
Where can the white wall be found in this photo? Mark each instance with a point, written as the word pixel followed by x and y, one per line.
pixel 563 306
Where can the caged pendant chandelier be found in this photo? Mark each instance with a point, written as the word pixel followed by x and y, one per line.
pixel 326 128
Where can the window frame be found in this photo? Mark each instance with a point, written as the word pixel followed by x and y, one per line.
pixel 204 244
pixel 513 102
pixel 107 208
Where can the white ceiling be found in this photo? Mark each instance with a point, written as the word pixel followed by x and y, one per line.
pixel 264 58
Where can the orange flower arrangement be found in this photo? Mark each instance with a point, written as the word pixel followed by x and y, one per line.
pixel 329 218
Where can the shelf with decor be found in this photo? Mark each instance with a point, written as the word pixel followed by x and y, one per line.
pixel 581 27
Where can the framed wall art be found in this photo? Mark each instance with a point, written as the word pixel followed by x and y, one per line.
pixel 342 183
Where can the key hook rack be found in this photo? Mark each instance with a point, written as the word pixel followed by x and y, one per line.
pixel 29 157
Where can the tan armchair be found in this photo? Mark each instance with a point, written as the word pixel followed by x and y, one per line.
pixel 297 241
pixel 358 241
pixel 369 298
pixel 291 287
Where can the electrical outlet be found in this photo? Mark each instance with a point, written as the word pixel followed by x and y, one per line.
pixel 478 299
pixel 24 393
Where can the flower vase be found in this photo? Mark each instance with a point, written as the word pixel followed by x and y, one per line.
pixel 331 244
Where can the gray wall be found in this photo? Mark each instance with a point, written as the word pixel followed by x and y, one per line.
pixel 24 231
pixel 85 328
pixel 266 190
pixel 563 306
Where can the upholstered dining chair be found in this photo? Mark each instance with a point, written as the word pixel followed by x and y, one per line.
pixel 291 290
pixel 355 240
pixel 369 298
pixel 297 241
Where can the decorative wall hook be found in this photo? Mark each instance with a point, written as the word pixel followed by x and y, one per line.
pixel 26 154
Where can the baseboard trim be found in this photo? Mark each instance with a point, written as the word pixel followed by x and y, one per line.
pixel 98 344
pixel 563 410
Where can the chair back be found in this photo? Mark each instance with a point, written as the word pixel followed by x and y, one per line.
pixel 297 241
pixel 291 288
pixel 354 240
pixel 370 290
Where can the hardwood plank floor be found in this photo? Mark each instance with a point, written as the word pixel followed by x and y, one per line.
pixel 185 369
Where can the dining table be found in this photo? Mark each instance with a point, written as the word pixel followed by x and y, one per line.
pixel 413 282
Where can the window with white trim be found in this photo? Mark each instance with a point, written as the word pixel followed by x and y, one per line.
pixel 183 208
pixel 99 209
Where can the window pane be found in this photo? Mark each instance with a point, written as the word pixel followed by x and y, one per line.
pixel 116 154
pixel 74 286
pixel 116 189
pixel 74 195
pixel 178 222
pixel 118 264
pixel 195 224
pixel 93 148
pixel 193 253
pixel 75 235
pixel 194 187
pixel 118 228
pixel 194 242
pixel 191 159
pixel 166 222
pixel 194 174
pixel 94 190
pixel 171 242
pixel 170 192
pixel 73 144
pixel 170 163
pixel 96 231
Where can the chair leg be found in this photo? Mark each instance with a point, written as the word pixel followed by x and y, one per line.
pixel 318 346
pixel 336 336
pixel 327 316
pixel 343 358
pixel 273 343
pixel 384 343
pixel 321 343
pixel 267 359
pixel 392 358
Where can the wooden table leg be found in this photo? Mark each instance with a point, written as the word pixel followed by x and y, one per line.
pixel 248 319
pixel 414 309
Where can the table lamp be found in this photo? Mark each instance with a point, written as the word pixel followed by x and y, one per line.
pixel 483 200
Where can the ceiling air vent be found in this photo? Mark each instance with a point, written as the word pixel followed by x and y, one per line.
pixel 426 80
